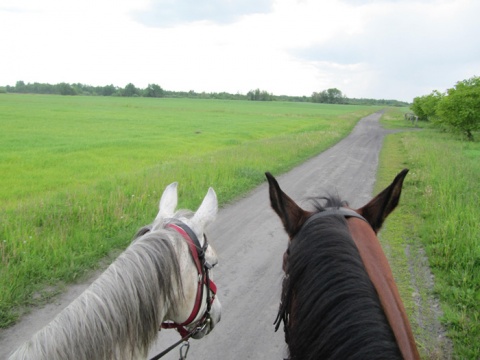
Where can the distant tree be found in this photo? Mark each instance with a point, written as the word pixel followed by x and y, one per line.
pixel 20 87
pixel 266 96
pixel 65 89
pixel 130 90
pixel 459 109
pixel 153 90
pixel 335 96
pixel 259 95
pixel 320 97
pixel 254 95
pixel 107 90
pixel 41 88
pixel 82 89
pixel 329 96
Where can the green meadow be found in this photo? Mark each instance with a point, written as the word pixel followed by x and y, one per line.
pixel 79 175
pixel 436 223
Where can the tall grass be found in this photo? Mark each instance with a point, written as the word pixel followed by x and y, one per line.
pixel 440 210
pixel 80 174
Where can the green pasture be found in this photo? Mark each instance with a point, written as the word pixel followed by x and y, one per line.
pixel 437 222
pixel 79 175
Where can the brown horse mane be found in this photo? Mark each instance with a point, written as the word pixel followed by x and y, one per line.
pixel 329 305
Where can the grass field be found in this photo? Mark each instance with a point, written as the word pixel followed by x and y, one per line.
pixel 79 175
pixel 438 217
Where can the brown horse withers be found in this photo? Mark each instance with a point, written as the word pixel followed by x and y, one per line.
pixel 339 297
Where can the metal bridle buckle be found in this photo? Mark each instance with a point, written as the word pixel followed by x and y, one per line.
pixel 205 323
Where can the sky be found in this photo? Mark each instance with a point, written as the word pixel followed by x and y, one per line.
pixel 381 49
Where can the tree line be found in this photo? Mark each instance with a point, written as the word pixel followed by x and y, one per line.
pixel 329 96
pixel 130 90
pixel 457 109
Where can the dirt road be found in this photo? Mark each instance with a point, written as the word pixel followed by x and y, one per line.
pixel 250 241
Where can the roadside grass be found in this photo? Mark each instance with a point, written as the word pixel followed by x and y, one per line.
pixel 437 222
pixel 81 174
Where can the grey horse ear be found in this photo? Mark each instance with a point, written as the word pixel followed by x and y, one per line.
pixel 207 211
pixel 168 202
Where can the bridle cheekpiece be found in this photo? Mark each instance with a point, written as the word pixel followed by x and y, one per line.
pixel 197 251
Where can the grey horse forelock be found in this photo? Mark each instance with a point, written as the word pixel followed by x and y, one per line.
pixel 120 314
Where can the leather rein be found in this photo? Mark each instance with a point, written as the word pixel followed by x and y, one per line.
pixel 197 251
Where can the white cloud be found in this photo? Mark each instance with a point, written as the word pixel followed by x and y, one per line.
pixel 366 48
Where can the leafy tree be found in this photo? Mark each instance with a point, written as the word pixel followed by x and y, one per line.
pixel 460 107
pixel 130 90
pixel 259 95
pixel 335 96
pixel 329 96
pixel 321 97
pixel 425 107
pixel 65 89
pixel 153 90
pixel 417 107
pixel 107 90
pixel 430 105
pixel 20 87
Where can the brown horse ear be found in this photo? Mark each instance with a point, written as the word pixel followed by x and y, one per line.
pixel 289 212
pixel 377 210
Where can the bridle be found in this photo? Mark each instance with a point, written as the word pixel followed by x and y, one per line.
pixel 197 251
pixel 203 267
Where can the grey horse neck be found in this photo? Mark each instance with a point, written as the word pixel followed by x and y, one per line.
pixel 119 315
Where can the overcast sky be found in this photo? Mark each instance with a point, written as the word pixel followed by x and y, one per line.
pixel 383 49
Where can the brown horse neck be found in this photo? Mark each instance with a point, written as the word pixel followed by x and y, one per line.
pixel 380 274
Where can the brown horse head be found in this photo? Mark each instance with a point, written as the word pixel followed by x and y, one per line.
pixel 341 229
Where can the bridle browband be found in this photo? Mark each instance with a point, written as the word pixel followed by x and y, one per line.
pixel 343 211
pixel 197 251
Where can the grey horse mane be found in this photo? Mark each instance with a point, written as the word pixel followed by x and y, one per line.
pixel 120 314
